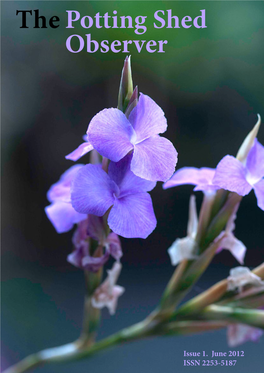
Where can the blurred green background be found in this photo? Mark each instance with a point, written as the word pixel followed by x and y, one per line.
pixel 209 82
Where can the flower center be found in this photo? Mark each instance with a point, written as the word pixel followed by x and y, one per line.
pixel 133 137
pixel 251 179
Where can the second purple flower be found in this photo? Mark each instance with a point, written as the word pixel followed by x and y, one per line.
pixel 125 195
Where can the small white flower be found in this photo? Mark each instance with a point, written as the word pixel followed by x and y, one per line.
pixel 230 242
pixel 107 294
pixel 184 248
pixel 241 276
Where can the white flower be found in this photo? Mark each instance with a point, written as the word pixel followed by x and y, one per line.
pixel 230 242
pixel 107 294
pixel 184 248
pixel 241 276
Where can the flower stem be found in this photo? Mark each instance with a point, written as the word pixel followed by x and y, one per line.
pixel 220 220
pixel 212 295
pixel 250 317
pixel 91 317
pixel 76 351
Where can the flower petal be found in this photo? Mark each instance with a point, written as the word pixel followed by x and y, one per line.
pixel 182 248
pixel 93 264
pixel 236 247
pixel 109 132
pixel 238 334
pixel 192 226
pixel 132 216
pixel 63 216
pixel 255 161
pixel 190 175
pixel 75 258
pixel 154 159
pixel 108 292
pixel 126 180
pixel 114 244
pixel 230 174
pixel 259 191
pixel 101 300
pixel 80 238
pixel 82 149
pixel 147 118
pixel 92 191
pixel 241 276
pixel 61 191
pixel 95 228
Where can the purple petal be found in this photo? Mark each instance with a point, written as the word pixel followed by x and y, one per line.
pixel 201 177
pixel 93 264
pixel 93 191
pixel 259 191
pixel 83 149
pixel 238 334
pixel 81 259
pixel 95 228
pixel 154 159
pixel 75 258
pixel 126 180
pixel 63 216
pixel 255 163
pixel 110 132
pixel 132 216
pixel 230 174
pixel 115 248
pixel 147 118
pixel 206 188
pixel 61 191
pixel 80 237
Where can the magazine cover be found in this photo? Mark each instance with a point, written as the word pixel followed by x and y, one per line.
pixel 132 186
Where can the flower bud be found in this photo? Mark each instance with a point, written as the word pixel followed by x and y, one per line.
pixel 248 142
pixel 126 86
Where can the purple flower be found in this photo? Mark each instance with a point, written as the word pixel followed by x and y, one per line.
pixel 114 135
pixel 241 178
pixel 93 227
pixel 61 213
pixel 95 192
pixel 200 177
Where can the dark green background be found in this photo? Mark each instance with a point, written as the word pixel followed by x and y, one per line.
pixel 210 85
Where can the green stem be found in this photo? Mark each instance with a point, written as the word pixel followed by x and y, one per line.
pixel 215 294
pixel 191 327
pixel 220 220
pixel 184 278
pixel 188 272
pixel 220 200
pixel 91 317
pixel 76 351
pixel 250 317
